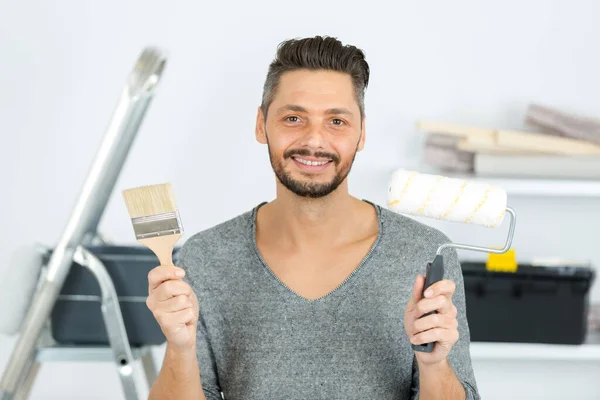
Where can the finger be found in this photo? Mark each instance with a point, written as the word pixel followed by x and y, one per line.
pixel 194 300
pixel 434 321
pixel 417 293
pixel 444 287
pixel 176 320
pixel 435 335
pixel 163 273
pixel 174 304
pixel 171 288
pixel 440 304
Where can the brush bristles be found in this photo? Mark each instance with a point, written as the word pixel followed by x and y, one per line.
pixel 150 200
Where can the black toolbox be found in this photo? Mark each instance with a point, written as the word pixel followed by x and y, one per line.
pixel 77 317
pixel 534 304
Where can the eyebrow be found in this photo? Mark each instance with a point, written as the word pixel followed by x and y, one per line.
pixel 294 107
pixel 291 107
pixel 339 111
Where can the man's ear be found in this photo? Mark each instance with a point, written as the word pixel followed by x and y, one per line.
pixel 363 133
pixel 261 134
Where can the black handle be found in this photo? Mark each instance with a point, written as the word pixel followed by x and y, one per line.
pixel 433 274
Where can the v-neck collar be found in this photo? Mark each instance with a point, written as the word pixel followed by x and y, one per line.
pixel 343 284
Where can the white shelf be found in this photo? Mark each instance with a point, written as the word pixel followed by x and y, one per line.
pixel 528 186
pixel 536 352
pixel 542 187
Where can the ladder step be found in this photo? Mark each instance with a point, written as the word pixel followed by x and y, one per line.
pixel 84 353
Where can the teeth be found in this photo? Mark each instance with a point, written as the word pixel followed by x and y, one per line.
pixel 306 162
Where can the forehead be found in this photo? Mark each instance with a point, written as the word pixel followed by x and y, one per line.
pixel 316 90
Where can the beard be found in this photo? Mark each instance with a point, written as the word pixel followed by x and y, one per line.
pixel 308 188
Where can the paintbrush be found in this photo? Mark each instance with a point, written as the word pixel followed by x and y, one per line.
pixel 155 219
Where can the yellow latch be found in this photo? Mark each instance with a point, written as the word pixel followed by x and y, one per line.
pixel 506 262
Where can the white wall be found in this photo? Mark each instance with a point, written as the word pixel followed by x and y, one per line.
pixel 63 64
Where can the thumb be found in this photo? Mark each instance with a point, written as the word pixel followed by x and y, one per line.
pixel 417 293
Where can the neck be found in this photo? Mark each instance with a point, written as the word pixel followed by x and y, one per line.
pixel 305 222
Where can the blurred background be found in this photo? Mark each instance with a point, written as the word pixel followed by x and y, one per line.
pixel 499 91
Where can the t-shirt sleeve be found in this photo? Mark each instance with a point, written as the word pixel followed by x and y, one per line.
pixel 459 356
pixel 190 261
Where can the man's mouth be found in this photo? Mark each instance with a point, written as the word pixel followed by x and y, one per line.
pixel 312 164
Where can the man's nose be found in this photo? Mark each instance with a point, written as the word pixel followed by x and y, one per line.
pixel 314 137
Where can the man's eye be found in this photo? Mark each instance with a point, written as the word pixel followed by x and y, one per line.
pixel 292 119
pixel 337 121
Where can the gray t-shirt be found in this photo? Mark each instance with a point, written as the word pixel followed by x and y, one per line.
pixel 257 339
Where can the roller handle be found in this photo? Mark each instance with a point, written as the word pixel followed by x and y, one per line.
pixel 434 273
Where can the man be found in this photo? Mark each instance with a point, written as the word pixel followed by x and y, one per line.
pixel 316 294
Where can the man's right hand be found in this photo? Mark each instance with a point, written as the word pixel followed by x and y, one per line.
pixel 174 305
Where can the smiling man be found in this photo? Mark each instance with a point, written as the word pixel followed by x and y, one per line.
pixel 315 294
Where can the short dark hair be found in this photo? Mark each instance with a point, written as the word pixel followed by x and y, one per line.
pixel 317 53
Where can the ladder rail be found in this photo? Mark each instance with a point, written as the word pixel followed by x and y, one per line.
pixel 113 321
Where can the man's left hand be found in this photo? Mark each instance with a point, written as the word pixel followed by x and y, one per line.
pixel 441 328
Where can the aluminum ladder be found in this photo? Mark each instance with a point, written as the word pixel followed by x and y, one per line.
pixel 33 345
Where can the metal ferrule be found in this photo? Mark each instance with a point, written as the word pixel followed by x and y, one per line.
pixel 157 225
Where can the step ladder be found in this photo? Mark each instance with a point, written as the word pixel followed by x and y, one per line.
pixel 34 344
pixel 119 352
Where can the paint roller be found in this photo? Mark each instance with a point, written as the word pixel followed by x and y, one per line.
pixel 449 199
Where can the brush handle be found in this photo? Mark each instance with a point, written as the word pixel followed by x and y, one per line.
pixel 162 246
pixel 435 273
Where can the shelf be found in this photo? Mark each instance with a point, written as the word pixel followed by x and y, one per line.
pixel 542 187
pixel 529 186
pixel 589 351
